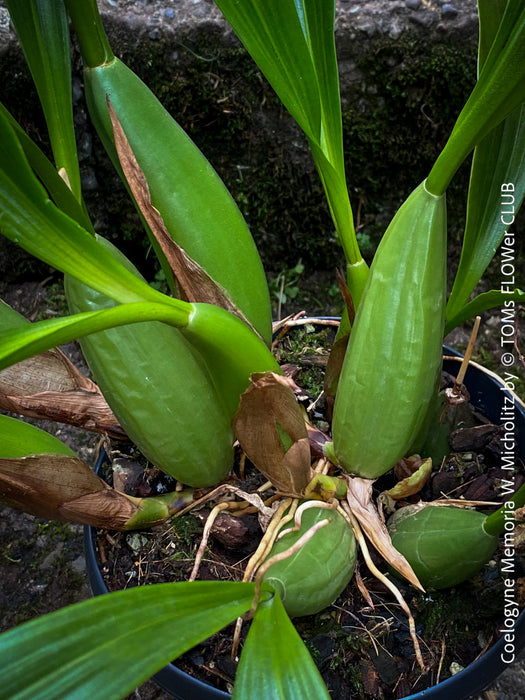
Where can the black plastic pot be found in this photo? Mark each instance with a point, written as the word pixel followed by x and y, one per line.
pixel 487 394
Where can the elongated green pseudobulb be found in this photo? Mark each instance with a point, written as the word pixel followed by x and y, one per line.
pixel 443 544
pixel 311 579
pixel 160 391
pixel 393 361
pixel 446 545
pixel 198 210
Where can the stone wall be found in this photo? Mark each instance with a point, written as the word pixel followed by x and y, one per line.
pixel 406 67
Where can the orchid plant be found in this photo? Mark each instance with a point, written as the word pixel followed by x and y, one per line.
pixel 185 374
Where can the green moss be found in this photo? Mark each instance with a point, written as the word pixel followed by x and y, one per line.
pixel 308 348
pixel 56 304
pixel 54 530
pixel 462 616
pixel 183 530
pixel 314 652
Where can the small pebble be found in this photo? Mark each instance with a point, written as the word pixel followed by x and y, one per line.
pixel 455 668
pixel 89 180
pixel 413 4
pixel 169 13
pixel 448 11
pixel 85 146
pixel 136 542
pixel 79 565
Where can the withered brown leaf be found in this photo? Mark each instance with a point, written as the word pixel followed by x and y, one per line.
pixel 359 497
pixel 63 488
pixel 49 386
pixel 270 426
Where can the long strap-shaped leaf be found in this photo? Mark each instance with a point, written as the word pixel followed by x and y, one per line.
pixel 20 343
pixel 275 34
pixel 42 28
pixel 318 24
pixel 48 175
pixel 499 90
pixel 275 662
pixel 482 302
pixel 20 439
pixel 292 42
pixel 30 219
pixel 499 162
pixel 107 646
pixel 231 351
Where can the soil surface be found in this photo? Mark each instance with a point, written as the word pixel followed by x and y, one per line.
pixel 43 567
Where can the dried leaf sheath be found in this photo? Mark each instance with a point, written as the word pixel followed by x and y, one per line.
pixel 62 487
pixel 195 283
pixel 49 386
pixel 271 429
pixel 359 497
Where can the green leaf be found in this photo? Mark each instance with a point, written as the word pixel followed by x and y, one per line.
pixel 48 175
pixel 30 219
pixel 107 646
pixel 20 343
pixel 230 350
pixel 275 662
pixel 499 161
pixel 42 27
pixel 274 33
pixel 20 439
pixel 495 522
pixel 488 300
pixel 319 18
pixel 9 318
pixel 490 13
pixel 500 89
pixel 292 42
pixel 334 184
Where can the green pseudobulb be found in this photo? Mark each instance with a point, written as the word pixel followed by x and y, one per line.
pixel 444 545
pixel 160 391
pixel 311 579
pixel 393 361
